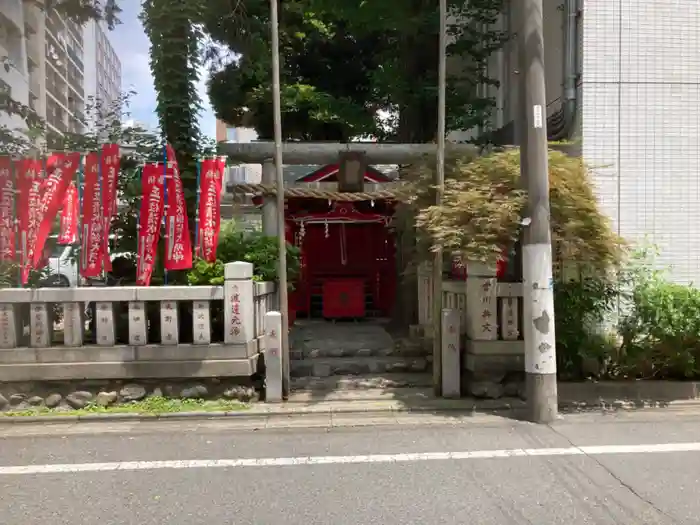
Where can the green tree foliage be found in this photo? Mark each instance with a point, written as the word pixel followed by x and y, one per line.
pixel 344 60
pixel 175 34
pixel 482 209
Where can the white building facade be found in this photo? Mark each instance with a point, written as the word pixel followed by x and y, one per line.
pixel 624 76
pixel 250 173
pixel 103 79
pixel 54 65
pixel 14 74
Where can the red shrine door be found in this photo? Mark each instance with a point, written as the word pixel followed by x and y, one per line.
pixel 346 263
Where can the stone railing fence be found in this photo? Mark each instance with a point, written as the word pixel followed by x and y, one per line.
pixel 481 330
pixel 488 310
pixel 136 332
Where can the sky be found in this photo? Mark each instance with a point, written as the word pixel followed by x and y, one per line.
pixel 131 45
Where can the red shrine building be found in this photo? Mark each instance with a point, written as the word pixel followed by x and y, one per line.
pixel 347 249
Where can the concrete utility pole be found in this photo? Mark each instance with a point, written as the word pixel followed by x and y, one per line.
pixel 279 169
pixel 538 293
pixel 440 189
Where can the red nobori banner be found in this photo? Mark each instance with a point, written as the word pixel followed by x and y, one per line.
pixel 92 241
pixel 69 217
pixel 7 208
pixel 60 169
pixel 210 181
pixel 29 183
pixel 150 217
pixel 110 173
pixel 178 246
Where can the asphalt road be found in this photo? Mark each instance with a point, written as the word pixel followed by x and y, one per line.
pixel 636 469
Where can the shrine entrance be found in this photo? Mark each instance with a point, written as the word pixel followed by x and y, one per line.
pixel 340 216
pixel 347 258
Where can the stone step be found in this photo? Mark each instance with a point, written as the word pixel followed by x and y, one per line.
pixel 348 351
pixel 408 396
pixel 364 382
pixel 324 367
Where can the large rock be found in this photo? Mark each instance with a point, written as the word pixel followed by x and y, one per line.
pixel 486 389
pixel 240 393
pixel 17 399
pixel 104 399
pixel 79 399
pixel 132 392
pixel 35 401
pixel 194 392
pixel 53 400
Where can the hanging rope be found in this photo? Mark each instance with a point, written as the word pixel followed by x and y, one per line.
pixel 270 190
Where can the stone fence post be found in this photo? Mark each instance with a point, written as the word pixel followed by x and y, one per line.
pixel 239 303
pixel 451 354
pixel 273 357
pixel 482 302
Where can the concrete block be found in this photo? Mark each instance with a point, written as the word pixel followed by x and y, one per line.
pixel 239 310
pixel 138 334
pixel 273 357
pixel 451 366
pixel 128 370
pixel 495 347
pixel 201 322
pixel 40 325
pixel 169 325
pixel 85 354
pixel 73 324
pixel 238 270
pixel 104 323
pixel 9 326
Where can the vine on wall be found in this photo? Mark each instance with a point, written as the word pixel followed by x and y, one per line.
pixel 174 30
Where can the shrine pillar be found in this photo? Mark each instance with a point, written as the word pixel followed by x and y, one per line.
pixel 269 208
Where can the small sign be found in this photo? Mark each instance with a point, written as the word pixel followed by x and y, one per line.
pixel 537 116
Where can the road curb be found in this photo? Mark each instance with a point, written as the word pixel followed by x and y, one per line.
pixel 288 410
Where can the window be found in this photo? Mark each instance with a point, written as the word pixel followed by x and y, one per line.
pixel 232 134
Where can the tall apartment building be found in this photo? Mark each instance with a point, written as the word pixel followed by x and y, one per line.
pixel 103 69
pixel 56 65
pixel 14 75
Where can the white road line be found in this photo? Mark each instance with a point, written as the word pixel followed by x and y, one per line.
pixel 329 460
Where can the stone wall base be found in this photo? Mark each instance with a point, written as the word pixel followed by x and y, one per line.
pixel 76 394
pixel 493 376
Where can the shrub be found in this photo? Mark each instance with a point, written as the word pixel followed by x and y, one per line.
pixel 236 245
pixel 660 324
pixel 581 307
pixel 483 205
